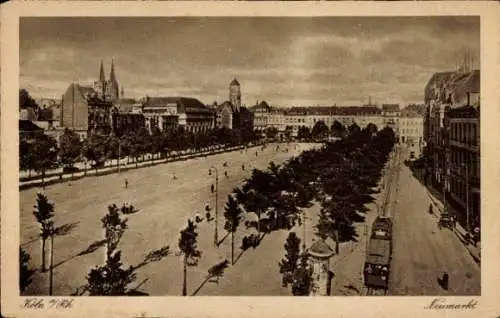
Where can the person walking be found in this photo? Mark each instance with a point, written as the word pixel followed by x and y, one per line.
pixel 212 188
pixel 126 183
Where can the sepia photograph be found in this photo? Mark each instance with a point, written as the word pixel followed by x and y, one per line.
pixel 249 156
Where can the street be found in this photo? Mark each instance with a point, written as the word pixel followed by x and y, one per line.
pixel 422 252
pixel 164 206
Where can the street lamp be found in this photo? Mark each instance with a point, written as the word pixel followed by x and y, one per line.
pixel 216 241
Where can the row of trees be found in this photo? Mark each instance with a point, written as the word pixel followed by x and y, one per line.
pixel 319 131
pixel 340 176
pixel 42 153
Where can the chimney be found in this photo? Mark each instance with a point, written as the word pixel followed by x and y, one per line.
pixel 468 98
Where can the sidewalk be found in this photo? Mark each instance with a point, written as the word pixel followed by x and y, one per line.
pixel 51 179
pixel 474 250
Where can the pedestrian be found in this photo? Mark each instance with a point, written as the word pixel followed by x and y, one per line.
pixel 243 167
pixel 225 173
pixel 126 183
pixel 212 188
pixel 445 280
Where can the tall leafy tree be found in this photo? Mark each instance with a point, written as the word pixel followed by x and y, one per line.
pixel 271 132
pixel 233 216
pixel 44 211
pixel 319 130
pixel 337 129
pixel 70 148
pixel 188 246
pixel 353 129
pixel 25 100
pixel 44 155
pixel 371 128
pixel 95 149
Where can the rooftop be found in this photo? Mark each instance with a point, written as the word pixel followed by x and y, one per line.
pixel 321 249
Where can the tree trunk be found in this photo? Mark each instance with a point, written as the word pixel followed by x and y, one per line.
pixel 51 262
pixel 232 247
pixel 43 179
pixel 42 267
pixel 258 224
pixel 184 282
pixel 337 247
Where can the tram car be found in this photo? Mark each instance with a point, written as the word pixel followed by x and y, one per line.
pixel 377 263
pixel 382 228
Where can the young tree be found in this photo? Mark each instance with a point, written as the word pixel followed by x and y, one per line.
pixel 114 227
pixel 233 216
pixel 111 279
pixel 189 249
pixel 70 148
pixel 25 272
pixel 302 277
pixel 289 263
pixel 44 211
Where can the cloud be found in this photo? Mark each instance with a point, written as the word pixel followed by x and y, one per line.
pixel 281 60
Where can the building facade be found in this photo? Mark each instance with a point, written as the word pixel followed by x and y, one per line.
pixel 172 112
pixel 451 134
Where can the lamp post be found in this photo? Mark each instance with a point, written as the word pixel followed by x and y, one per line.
pixel 119 154
pixel 216 240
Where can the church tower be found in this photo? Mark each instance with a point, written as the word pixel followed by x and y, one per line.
pixel 100 85
pixel 235 94
pixel 112 88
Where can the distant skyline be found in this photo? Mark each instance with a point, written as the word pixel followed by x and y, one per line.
pixel 283 60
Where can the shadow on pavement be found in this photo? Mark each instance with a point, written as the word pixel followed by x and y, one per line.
pixel 154 256
pixel 65 229
pixel 90 249
pixel 222 240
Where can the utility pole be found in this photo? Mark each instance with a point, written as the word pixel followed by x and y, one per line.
pixel 216 237
pixel 51 262
pixel 119 153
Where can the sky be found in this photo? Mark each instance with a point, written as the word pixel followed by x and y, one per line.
pixel 286 61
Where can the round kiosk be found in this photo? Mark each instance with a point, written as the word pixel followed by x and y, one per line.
pixel 319 254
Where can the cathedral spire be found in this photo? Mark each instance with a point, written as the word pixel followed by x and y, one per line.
pixel 101 74
pixel 112 77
